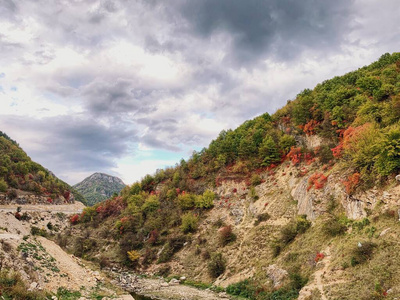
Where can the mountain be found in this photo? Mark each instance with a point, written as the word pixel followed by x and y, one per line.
pixel 98 187
pixel 26 181
pixel 291 205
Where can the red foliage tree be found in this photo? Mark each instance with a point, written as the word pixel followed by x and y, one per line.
pixel 351 183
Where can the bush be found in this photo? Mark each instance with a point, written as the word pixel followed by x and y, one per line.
pixel 226 235
pixel 37 231
pixel 189 223
pixel 174 245
pixel 245 289
pixel 3 186
pixel 217 265
pixel 291 230
pixel 186 201
pixel 133 255
pixel 261 218
pixel 13 287
pixel 12 194
pixel 333 227
pixel 302 224
pixel 206 200
pixel 255 180
pixel 288 233
pixel 151 204
pixel 362 252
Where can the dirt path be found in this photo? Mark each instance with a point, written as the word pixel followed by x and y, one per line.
pixel 75 208
pixel 318 282
pixel 76 275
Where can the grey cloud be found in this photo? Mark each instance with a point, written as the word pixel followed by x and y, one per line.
pixel 114 96
pixel 155 142
pixel 71 143
pixel 278 28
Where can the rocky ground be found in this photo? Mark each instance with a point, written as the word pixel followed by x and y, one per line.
pixel 44 265
pixel 160 288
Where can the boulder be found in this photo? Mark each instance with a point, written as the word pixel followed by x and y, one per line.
pixel 277 275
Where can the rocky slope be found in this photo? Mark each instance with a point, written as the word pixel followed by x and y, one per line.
pixel 98 187
pixel 37 266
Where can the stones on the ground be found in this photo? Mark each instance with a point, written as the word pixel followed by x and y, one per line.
pixel 397 177
pixel 276 274
pixel 33 286
pixel 54 298
pixel 174 281
pixel 223 295
pixel 183 278
pixel 384 231
pixel 164 284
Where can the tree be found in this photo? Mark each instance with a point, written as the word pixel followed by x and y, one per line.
pixel 268 151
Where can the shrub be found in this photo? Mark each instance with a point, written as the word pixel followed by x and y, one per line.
pixel 13 287
pixel 351 183
pixel 245 289
pixel 189 223
pixel 288 233
pixel 206 200
pixel 186 201
pixel 173 245
pixel 276 248
pixel 261 218
pixel 37 231
pixel 362 252
pixel 325 154
pixel 291 230
pixel 153 239
pixel 205 255
pixel 317 181
pixel 226 235
pixel 333 227
pixel 255 180
pixel 3 186
pixel 133 255
pixel 149 256
pixel 12 194
pixel 302 224
pixel 217 265
pixel 74 219
pixel 151 204
pixel 253 193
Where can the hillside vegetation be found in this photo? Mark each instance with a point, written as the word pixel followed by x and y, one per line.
pixel 99 187
pixel 19 172
pixel 233 213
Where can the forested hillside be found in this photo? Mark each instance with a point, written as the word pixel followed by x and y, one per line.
pixel 19 172
pixel 326 150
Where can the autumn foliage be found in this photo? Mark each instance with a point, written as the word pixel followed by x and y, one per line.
pixel 352 182
pixel 317 181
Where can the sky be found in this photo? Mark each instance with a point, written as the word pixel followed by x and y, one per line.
pixel 127 87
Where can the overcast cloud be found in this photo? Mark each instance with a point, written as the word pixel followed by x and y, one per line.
pixel 125 87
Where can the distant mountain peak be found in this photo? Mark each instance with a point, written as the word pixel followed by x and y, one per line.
pixel 99 186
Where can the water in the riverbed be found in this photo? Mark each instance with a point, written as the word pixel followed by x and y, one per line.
pixel 140 297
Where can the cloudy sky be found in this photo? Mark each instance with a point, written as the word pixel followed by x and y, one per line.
pixel 125 87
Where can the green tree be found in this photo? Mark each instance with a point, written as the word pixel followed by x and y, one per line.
pixel 268 151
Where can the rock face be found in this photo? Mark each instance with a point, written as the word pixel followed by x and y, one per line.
pixel 99 186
